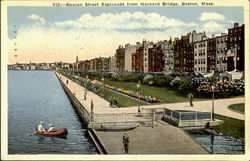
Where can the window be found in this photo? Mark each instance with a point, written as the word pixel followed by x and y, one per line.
pixel 239 38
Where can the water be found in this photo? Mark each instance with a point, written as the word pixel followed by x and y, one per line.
pixel 34 96
pixel 218 144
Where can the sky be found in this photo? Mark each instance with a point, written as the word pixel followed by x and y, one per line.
pixel 50 34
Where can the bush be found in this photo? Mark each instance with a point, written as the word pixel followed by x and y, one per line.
pixel 186 86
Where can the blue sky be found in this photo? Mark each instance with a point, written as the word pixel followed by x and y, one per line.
pixel 18 15
pixel 60 33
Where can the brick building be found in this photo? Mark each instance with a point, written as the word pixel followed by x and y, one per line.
pixel 211 54
pixel 184 51
pixel 137 60
pixel 156 58
pixel 236 41
pixel 120 58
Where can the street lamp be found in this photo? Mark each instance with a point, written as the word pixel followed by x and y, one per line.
pixel 212 113
pixel 138 88
pixel 102 80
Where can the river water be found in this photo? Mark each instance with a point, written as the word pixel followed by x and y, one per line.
pixel 218 144
pixel 35 96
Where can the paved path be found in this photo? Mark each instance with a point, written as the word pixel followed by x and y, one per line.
pixel 162 139
pixel 220 107
pixel 101 106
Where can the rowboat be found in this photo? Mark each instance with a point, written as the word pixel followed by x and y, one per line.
pixel 119 126
pixel 59 133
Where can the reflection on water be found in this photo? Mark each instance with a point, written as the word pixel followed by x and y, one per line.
pixel 218 144
pixel 34 96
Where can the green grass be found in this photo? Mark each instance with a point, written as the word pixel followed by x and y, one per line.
pixel 163 93
pixel 232 127
pixel 240 107
pixel 122 100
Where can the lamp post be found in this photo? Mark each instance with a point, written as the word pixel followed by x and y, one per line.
pixel 138 87
pixel 102 80
pixel 212 113
pixel 103 86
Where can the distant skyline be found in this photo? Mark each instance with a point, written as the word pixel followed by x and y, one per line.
pixel 49 34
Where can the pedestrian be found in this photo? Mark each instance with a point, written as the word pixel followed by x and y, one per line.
pixel 191 99
pixel 67 81
pixel 125 142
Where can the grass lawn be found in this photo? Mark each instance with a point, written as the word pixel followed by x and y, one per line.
pixel 232 127
pixel 122 100
pixel 240 107
pixel 164 93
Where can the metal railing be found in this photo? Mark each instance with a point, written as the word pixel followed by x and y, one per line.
pixel 123 117
pixel 187 115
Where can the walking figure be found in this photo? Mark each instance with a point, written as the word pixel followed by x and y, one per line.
pixel 125 142
pixel 191 99
pixel 67 81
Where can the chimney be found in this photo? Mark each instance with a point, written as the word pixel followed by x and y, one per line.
pixel 236 25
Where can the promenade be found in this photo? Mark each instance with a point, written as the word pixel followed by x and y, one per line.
pixel 161 139
pixel 101 106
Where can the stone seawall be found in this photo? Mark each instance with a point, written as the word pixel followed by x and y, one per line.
pixel 80 109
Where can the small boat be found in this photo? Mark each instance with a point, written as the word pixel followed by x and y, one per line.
pixel 119 126
pixel 58 133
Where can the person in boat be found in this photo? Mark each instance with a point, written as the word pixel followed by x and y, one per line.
pixel 40 127
pixel 125 142
pixel 51 127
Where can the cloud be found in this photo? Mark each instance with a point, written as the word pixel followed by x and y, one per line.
pixel 214 27
pixel 92 36
pixel 211 16
pixel 125 21
pixel 36 17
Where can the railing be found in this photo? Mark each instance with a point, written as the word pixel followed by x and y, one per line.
pixel 188 115
pixel 123 117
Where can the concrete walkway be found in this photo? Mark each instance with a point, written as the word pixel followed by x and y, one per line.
pixel 162 139
pixel 101 106
pixel 220 107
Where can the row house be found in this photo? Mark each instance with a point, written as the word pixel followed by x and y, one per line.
pixel 137 60
pixel 112 64
pixel 211 54
pixel 200 56
pixel 105 64
pixel 236 42
pixel 156 58
pixel 92 65
pixel 184 51
pixel 221 53
pixel 129 50
pixel 120 58
pixel 169 55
